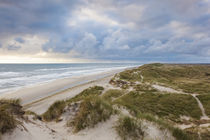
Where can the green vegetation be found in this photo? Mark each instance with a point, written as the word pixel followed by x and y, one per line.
pixel 92 91
pixel 56 109
pixel 169 106
pixel 112 94
pixel 145 88
pixel 35 116
pixel 130 75
pixel 129 128
pixel 205 100
pixel 91 111
pixel 189 78
pixel 164 124
pixel 9 111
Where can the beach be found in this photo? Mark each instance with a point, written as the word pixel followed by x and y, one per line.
pixel 39 97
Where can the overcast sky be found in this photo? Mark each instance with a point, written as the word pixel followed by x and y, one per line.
pixel 104 30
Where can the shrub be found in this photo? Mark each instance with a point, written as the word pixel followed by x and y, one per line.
pixel 91 111
pixel 129 128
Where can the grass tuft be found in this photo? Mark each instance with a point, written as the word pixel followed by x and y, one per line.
pixel 9 111
pixel 205 100
pixel 91 111
pixel 129 128
pixel 112 94
pixel 170 106
pixel 176 132
pixel 54 111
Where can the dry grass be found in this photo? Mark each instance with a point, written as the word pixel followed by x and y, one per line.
pixel 56 109
pixel 92 111
pixel 189 78
pixel 170 106
pixel 112 94
pixel 129 128
pixel 10 110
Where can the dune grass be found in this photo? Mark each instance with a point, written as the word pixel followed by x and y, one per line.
pixel 112 94
pixel 189 78
pixel 91 111
pixel 205 100
pixel 144 88
pixel 9 111
pixel 170 106
pixel 56 109
pixel 129 128
pixel 91 91
pixel 164 124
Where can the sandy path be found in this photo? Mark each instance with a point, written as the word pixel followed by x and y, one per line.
pixel 170 90
pixel 204 116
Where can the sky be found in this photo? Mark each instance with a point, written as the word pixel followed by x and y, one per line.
pixel 67 31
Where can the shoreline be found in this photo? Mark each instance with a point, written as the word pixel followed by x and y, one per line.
pixel 40 96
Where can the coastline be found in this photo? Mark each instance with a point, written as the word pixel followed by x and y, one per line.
pixel 39 97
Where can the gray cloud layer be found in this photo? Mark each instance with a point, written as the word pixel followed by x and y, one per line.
pixel 146 30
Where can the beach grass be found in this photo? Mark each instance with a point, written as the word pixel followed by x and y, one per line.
pixel 112 94
pixel 170 106
pixel 57 108
pixel 54 111
pixel 189 78
pixel 91 111
pixel 205 100
pixel 10 110
pixel 165 124
pixel 129 128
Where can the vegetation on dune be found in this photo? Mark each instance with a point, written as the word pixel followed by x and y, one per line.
pixel 205 100
pixel 170 106
pixel 56 109
pixel 112 94
pixel 189 78
pixel 9 111
pixel 91 111
pixel 164 124
pixel 92 91
pixel 129 128
pixel 145 88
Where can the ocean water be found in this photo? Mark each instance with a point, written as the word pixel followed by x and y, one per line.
pixel 15 76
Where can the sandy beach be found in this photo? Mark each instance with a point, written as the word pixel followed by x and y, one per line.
pixel 39 97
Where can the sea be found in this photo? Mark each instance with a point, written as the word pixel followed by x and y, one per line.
pixel 16 76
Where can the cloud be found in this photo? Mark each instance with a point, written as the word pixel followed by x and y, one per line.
pixel 20 40
pixel 13 47
pixel 107 30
